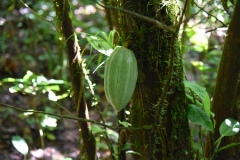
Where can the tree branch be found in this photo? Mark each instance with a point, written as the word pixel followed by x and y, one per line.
pixel 159 24
pixel 211 15
pixel 74 118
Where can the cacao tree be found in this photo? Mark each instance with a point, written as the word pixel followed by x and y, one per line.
pixel 158 105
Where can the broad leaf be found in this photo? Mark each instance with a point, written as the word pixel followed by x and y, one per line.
pixel 97 129
pixel 198 38
pixel 198 116
pixel 124 123
pixel 229 127
pixel 201 93
pixel 100 45
pixel 20 144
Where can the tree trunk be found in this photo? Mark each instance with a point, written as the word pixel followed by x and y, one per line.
pixel 88 151
pixel 225 97
pixel 158 104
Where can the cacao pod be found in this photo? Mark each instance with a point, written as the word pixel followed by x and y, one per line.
pixel 120 77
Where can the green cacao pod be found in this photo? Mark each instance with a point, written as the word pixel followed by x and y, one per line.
pixel 120 77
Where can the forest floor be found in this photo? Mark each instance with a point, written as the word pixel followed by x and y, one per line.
pixel 60 143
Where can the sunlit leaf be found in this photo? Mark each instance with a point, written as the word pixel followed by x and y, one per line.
pixel 229 127
pixel 53 87
pixel 100 45
pixel 28 75
pixel 30 112
pixel 52 96
pixel 101 64
pixel 198 116
pixel 40 79
pixel 132 152
pixel 62 96
pixel 54 81
pixel 198 38
pixel 20 144
pixel 12 80
pixel 14 89
pixel 49 121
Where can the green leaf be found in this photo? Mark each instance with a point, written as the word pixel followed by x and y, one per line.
pixel 198 38
pixel 20 144
pixel 97 129
pixel 12 80
pixel 105 36
pixel 201 93
pixel 28 76
pixel 52 88
pixel 51 136
pixel 113 135
pixel 49 122
pixel 198 116
pixel 124 123
pixel 228 146
pixel 126 146
pixel 14 89
pixel 100 45
pixel 52 96
pixel 132 152
pixel 229 127
pixel 112 34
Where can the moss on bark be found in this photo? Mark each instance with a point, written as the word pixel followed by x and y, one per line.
pixel 168 134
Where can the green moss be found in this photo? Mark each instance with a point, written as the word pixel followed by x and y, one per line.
pixel 152 47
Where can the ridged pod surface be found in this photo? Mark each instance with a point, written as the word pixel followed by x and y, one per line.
pixel 120 77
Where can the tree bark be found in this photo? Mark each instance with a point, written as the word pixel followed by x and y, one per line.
pixel 76 74
pixel 225 96
pixel 158 104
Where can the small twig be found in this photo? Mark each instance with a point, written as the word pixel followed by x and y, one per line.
pixel 214 29
pixel 159 24
pixel 39 15
pixel 59 105
pixel 168 79
pixel 105 133
pixel 181 18
pixel 75 118
pixel 210 14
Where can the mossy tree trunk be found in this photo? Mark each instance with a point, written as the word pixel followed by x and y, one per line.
pixel 159 99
